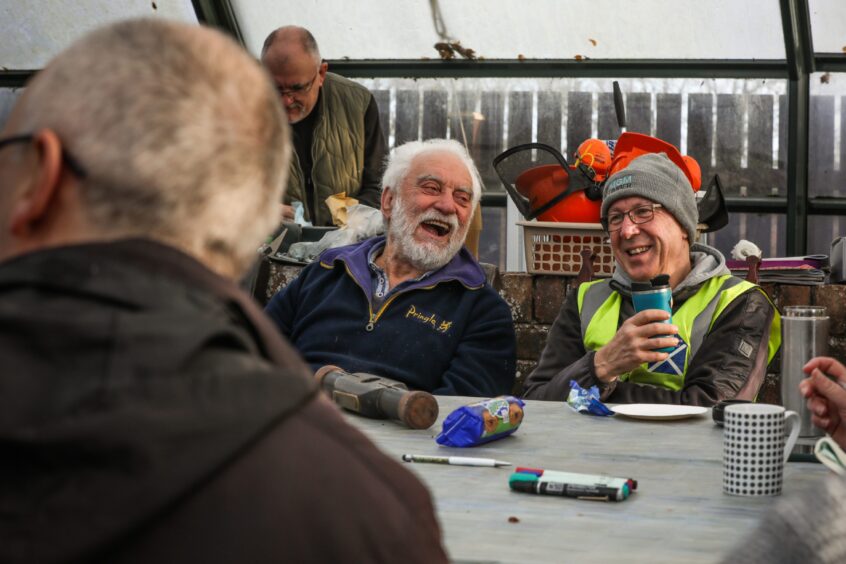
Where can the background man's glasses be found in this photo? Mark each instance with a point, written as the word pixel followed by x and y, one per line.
pixel 298 89
pixel 638 215
pixel 71 162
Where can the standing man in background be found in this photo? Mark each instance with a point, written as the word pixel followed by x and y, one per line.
pixel 338 142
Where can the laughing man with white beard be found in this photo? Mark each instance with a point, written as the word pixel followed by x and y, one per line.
pixel 414 305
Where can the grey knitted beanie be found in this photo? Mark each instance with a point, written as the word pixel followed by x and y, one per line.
pixel 655 177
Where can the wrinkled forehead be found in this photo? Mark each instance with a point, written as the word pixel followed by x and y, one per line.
pixel 625 204
pixel 442 166
pixel 289 57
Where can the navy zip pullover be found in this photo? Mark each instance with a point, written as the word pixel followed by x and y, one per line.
pixel 447 333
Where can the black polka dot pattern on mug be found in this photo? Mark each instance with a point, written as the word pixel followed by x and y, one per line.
pixel 753 453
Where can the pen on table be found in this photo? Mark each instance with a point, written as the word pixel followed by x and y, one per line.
pixel 455 460
pixel 578 491
pixel 574 478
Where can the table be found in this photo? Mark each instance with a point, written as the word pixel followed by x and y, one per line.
pixel 678 514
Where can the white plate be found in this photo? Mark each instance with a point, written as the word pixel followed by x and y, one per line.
pixel 658 410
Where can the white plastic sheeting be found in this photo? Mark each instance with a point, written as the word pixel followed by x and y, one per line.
pixel 33 31
pixel 538 29
pixel 828 25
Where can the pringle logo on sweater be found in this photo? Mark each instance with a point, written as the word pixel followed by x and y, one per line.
pixel 439 325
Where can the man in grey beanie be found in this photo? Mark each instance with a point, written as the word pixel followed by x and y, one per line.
pixel 724 330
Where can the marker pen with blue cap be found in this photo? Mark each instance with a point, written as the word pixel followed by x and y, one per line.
pixel 529 483
pixel 599 479
pixel 622 487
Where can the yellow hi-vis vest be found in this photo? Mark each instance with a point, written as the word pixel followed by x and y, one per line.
pixel 599 312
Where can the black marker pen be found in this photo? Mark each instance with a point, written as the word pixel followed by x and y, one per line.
pixel 598 493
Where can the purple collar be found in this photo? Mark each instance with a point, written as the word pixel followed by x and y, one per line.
pixel 463 268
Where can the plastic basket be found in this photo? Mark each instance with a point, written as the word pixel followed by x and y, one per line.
pixel 553 247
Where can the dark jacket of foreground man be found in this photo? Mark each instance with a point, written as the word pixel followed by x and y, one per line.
pixel 150 413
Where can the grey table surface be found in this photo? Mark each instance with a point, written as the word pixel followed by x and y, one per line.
pixel 678 514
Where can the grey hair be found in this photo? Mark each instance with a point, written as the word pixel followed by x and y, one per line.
pixel 180 131
pixel 399 162
pixel 306 39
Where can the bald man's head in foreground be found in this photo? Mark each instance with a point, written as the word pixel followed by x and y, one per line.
pixel 175 134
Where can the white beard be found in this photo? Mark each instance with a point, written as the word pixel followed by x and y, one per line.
pixel 429 255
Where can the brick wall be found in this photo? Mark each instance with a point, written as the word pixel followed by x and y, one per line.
pixel 535 300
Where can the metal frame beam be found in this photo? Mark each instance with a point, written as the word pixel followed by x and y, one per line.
pixel 827 206
pixel 219 14
pixel 15 78
pixel 830 62
pixel 756 205
pixel 611 68
pixel 796 22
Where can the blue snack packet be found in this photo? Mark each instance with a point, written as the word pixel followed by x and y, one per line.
pixel 586 401
pixel 481 422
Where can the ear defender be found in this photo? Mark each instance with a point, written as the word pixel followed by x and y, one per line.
pixel 594 192
pixel 593 157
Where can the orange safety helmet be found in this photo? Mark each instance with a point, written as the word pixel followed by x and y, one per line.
pixel 695 172
pixel 594 158
pixel 544 183
pixel 631 145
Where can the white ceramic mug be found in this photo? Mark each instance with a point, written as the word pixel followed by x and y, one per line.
pixel 754 448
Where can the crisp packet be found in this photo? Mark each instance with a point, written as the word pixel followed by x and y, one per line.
pixel 481 422
pixel 586 401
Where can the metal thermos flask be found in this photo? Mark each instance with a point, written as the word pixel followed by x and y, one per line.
pixel 655 294
pixel 805 332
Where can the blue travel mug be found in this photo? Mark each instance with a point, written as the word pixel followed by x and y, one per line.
pixel 655 294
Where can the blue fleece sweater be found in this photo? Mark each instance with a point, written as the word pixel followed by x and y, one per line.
pixel 449 333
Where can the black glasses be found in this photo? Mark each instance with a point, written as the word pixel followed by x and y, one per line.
pixel 72 163
pixel 298 89
pixel 638 215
